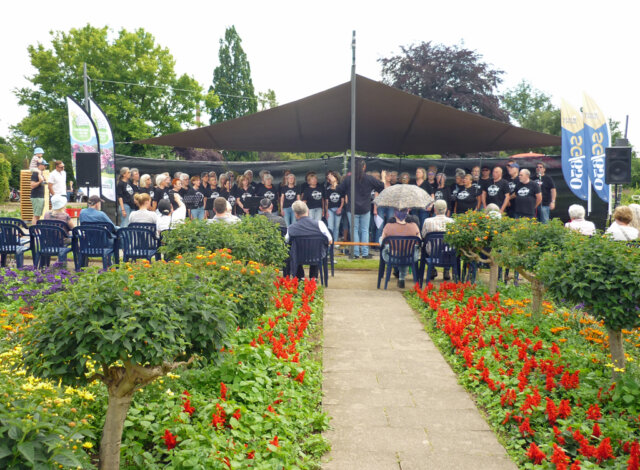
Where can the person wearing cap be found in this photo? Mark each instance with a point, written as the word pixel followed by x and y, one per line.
pixel 266 209
pixel 37 191
pixel 58 180
pixel 549 193
pixel 93 213
pixel 169 218
pixel 222 208
pixel 400 228
pixel 57 212
pixel 37 157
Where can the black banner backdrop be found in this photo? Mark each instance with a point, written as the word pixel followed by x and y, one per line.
pixel 300 167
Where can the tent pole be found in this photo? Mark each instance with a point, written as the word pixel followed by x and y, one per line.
pixel 352 194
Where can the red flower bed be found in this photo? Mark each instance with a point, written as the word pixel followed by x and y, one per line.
pixel 552 401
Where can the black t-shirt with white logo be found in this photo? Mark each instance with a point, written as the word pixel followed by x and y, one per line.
pixel 290 196
pixel 270 193
pixel 159 194
pixel 525 201
pixel 124 190
pixel 194 199
pixel 333 197
pixel 443 194
pixel 496 192
pixel 546 184
pixel 512 182
pixel 313 197
pixel 467 199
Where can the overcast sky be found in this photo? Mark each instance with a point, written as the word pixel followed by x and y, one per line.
pixel 298 48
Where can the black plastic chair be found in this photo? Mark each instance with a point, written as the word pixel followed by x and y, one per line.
pixel 112 231
pixel 92 241
pixel 138 243
pixel 143 225
pixel 13 221
pixel 437 254
pixel 48 241
pixel 312 251
pixel 401 253
pixel 12 242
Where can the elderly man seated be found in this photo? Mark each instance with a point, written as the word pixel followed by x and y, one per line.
pixel 304 226
pixel 438 223
pixel 222 209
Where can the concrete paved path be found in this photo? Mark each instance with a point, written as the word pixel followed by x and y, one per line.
pixel 394 401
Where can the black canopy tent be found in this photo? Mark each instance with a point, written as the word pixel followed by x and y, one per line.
pixel 388 121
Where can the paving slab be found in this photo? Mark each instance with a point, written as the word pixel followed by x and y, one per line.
pixel 394 401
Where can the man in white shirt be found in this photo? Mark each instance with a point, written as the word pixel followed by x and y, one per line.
pixel 438 223
pixel 223 212
pixel 58 180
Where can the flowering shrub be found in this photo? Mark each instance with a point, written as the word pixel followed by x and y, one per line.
pixel 31 285
pixel 542 385
pixel 134 323
pixel 260 406
pixel 254 238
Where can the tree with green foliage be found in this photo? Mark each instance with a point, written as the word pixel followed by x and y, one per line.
pixel 532 109
pixel 267 99
pixel 521 247
pixel 450 75
pixel 132 79
pixel 132 324
pixel 601 274
pixel 232 83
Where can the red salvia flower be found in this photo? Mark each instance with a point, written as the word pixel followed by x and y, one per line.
pixel 300 377
pixel 251 455
pixel 188 408
pixel 604 450
pixel 594 412
pixel 169 439
pixel 223 391
pixel 535 454
pixel 525 428
pixel 552 411
pixel 575 465
pixel 237 415
pixel 634 457
pixel 596 430
pixel 274 441
pixel 564 410
pixel 559 458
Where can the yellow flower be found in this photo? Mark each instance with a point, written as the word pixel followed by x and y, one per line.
pixel 617 369
pixel 87 445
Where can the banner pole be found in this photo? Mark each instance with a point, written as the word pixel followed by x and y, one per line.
pixel 86 89
pixel 352 194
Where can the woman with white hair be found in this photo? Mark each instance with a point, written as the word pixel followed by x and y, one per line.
pixel 621 229
pixel 635 212
pixel 577 223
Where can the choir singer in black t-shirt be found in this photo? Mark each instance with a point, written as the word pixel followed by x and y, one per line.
pixel 527 196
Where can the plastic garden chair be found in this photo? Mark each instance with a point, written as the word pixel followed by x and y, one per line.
pixel 143 225
pixel 56 223
pixel 312 251
pixel 138 243
pixel 437 254
pixel 401 253
pixel 12 242
pixel 92 241
pixel 47 241
pixel 13 221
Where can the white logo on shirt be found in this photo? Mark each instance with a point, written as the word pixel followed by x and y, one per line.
pixel 439 195
pixel 269 195
pixel 317 195
pixel 523 192
pixel 334 197
pixel 290 194
pixel 464 194
pixel 493 190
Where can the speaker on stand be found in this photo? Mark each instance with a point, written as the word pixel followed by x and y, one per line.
pixel 617 168
pixel 88 170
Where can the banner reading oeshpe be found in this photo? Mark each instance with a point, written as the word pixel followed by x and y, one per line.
pixel 82 131
pixel 573 158
pixel 107 151
pixel 596 139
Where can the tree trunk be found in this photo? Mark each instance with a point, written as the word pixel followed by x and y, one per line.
pixel 537 295
pixel 112 431
pixel 617 352
pixel 493 278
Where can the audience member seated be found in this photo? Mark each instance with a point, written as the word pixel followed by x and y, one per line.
pixel 620 229
pixel 144 214
pixel 635 215
pixel 93 213
pixel 169 218
pixel 437 223
pixel 58 203
pixel 266 208
pixel 400 228
pixel 577 223
pixel 305 226
pixel 222 209
pixel 493 211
